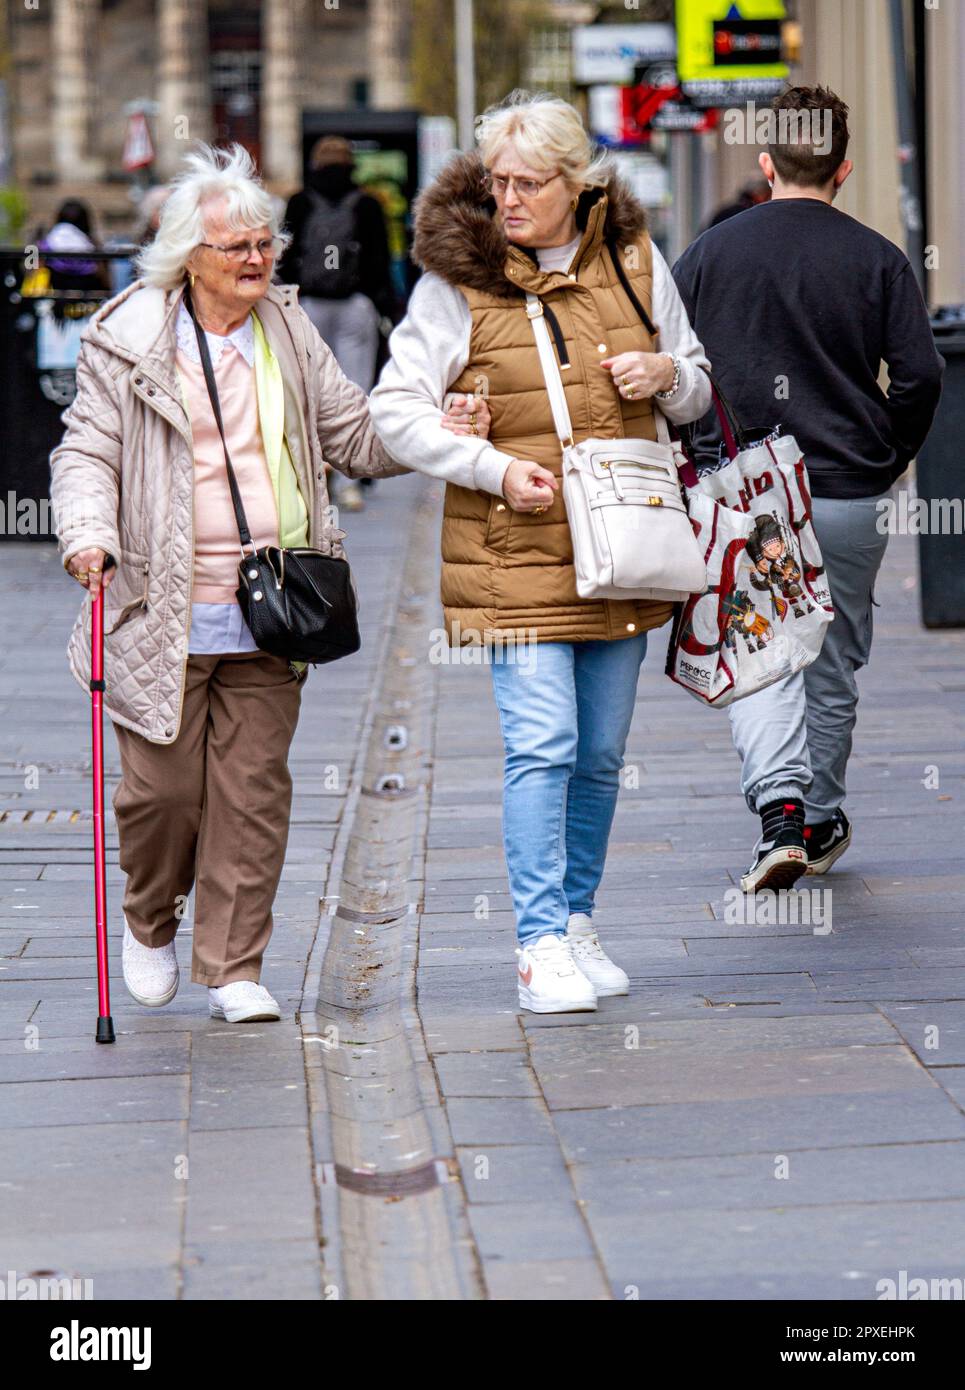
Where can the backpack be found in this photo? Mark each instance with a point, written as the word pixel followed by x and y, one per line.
pixel 329 265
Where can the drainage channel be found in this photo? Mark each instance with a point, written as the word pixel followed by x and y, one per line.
pixel 392 1204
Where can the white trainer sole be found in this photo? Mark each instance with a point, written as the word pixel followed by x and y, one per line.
pixel 553 1006
pixel 780 869
pixel 158 1001
pixel 611 991
pixel 243 1015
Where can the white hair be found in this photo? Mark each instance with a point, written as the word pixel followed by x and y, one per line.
pixel 209 173
pixel 547 133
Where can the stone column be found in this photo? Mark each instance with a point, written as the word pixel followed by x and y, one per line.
pixel 390 25
pixel 285 36
pixel 945 121
pixel 184 95
pixel 848 48
pixel 74 87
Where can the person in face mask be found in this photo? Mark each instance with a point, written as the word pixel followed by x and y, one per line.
pixel 339 258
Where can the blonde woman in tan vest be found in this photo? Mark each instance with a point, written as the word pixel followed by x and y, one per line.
pixel 140 494
pixel 534 210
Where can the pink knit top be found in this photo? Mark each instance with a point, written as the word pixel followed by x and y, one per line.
pixel 217 549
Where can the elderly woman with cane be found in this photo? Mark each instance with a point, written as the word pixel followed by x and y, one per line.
pixel 201 359
pixel 538 210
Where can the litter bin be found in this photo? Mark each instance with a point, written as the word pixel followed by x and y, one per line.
pixel 40 330
pixel 941 478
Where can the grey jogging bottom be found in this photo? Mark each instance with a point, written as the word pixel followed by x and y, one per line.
pixel 794 738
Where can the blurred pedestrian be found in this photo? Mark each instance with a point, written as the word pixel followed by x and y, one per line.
pixel 339 258
pixel 798 293
pixel 72 232
pixel 141 499
pixel 533 210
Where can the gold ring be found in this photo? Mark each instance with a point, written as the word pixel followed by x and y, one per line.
pixel 93 569
pixel 629 392
pixel 472 428
pixel 624 381
pixel 538 511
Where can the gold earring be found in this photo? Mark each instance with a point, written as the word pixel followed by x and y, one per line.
pixel 573 204
pixel 191 274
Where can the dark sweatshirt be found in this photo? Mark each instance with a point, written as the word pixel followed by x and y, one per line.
pixel 797 304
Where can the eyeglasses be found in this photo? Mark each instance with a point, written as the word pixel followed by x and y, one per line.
pixel 498 185
pixel 239 251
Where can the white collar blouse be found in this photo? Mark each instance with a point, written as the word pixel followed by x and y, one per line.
pixel 242 339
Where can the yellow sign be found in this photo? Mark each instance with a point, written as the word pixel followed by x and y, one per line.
pixel 724 41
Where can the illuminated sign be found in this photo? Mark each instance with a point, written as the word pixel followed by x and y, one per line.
pixel 728 52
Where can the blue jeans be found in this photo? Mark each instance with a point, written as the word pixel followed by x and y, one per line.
pixel 564 722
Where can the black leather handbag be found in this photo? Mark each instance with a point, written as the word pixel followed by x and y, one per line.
pixel 298 603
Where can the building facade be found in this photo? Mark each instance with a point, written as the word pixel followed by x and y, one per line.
pixel 206 69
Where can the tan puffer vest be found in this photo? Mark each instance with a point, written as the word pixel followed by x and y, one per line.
pixel 512 571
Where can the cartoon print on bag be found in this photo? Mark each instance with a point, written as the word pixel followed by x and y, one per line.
pixel 743 618
pixel 772 557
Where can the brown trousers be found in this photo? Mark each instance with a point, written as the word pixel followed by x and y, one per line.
pixel 212 809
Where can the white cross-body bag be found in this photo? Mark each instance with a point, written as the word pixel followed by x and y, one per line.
pixel 632 537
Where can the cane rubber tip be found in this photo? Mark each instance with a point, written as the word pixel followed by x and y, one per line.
pixel 105 1029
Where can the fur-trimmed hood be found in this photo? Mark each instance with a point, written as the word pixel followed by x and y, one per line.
pixel 458 237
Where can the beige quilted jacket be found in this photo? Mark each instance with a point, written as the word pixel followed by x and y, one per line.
pixel 123 479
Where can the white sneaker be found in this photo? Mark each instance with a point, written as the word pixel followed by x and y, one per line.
pixel 150 972
pixel 549 981
pixel 350 497
pixel 591 959
pixel 242 1002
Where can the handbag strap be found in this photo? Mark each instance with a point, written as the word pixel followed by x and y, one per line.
pixel 730 429
pixel 206 367
pixel 624 279
pixel 551 372
pixel 727 420
pixel 554 381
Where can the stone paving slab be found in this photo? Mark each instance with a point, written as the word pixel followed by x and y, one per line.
pixel 527 1230
pixel 481 1074
pixel 767 1125
pixel 72 1059
pixel 952 1080
pixel 832 1252
pixel 255 1205
pixel 545 1280
pixel 499 1121
pixel 514 1173
pixel 610 1074
pixel 935 1032
pixel 786 1179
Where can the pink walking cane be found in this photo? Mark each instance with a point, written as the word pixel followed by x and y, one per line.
pixel 105 1024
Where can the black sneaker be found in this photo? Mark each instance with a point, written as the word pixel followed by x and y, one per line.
pixel 782 855
pixel 827 842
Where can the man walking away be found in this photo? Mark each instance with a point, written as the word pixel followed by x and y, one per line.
pixel 797 305
pixel 339 258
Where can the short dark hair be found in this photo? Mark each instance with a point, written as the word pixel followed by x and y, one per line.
pixel 793 152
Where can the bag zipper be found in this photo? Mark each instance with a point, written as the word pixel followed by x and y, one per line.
pixel 634 463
